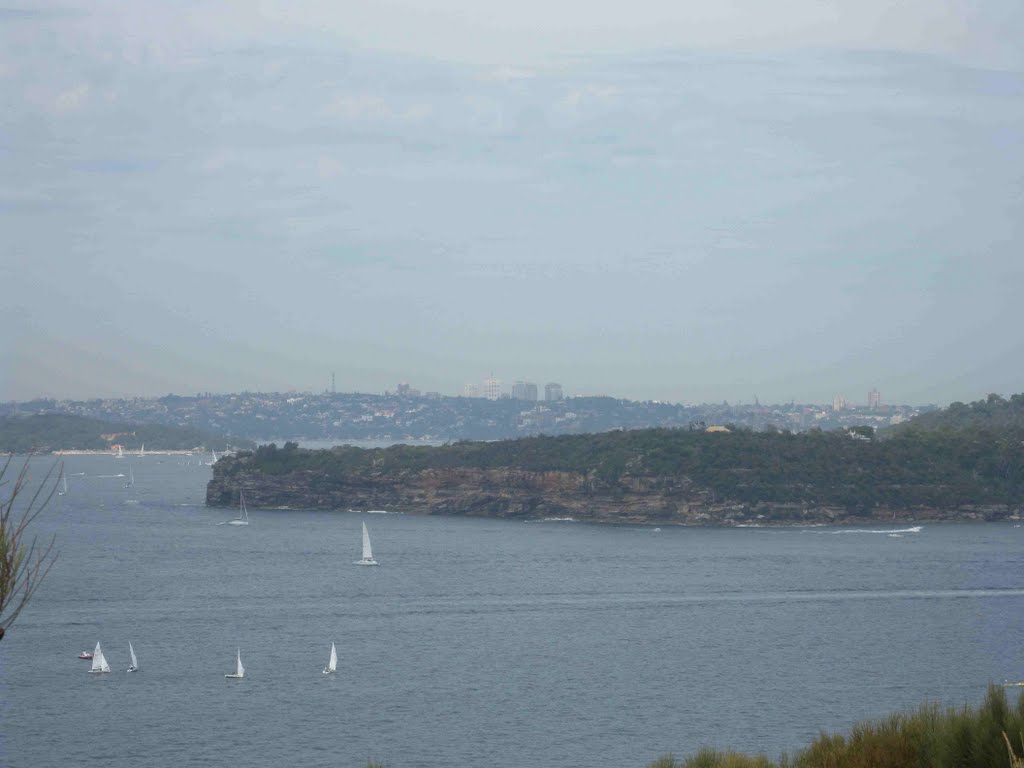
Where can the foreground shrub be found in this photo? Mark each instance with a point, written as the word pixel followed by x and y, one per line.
pixel 982 737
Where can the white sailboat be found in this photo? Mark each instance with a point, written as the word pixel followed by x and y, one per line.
pixel 239 672
pixel 243 513
pixel 332 665
pixel 134 666
pixel 64 485
pixel 99 664
pixel 120 452
pixel 131 478
pixel 214 457
pixel 142 451
pixel 367 551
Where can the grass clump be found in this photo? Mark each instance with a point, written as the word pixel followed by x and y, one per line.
pixel 988 736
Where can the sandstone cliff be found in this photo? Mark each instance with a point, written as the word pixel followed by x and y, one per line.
pixel 513 493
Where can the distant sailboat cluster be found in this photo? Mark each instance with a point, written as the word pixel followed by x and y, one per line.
pixel 100 665
pixel 99 661
pixel 243 519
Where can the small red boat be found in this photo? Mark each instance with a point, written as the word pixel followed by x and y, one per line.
pixel 85 655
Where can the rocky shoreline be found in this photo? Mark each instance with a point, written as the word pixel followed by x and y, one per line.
pixel 525 495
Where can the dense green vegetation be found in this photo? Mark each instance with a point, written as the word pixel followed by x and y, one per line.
pixel 994 412
pixel 979 737
pixel 56 432
pixel 914 468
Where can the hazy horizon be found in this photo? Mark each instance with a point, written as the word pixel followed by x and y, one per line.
pixel 849 401
pixel 671 201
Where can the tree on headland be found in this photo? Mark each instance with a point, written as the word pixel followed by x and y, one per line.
pixel 24 561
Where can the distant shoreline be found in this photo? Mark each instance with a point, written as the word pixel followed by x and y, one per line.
pixel 155 452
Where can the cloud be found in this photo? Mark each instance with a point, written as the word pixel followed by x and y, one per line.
pixel 328 167
pixel 373 108
pixel 591 93
pixel 72 100
pixel 508 73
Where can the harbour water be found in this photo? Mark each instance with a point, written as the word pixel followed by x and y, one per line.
pixel 480 642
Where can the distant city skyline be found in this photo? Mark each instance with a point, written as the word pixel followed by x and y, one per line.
pixel 521 390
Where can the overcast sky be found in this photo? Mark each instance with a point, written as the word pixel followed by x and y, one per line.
pixel 670 200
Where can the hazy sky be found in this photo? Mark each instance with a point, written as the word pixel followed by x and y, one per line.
pixel 655 199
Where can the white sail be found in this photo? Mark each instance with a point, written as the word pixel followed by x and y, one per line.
pixel 243 512
pixel 142 451
pixel 64 484
pixel 135 662
pixel 120 452
pixel 332 665
pixel 131 478
pixel 367 550
pixel 239 672
pixel 99 664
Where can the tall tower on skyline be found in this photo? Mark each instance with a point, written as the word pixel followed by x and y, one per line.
pixel 524 390
pixel 553 391
pixel 874 398
pixel 492 388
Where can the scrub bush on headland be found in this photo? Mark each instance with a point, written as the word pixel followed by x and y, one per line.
pixel 936 469
pixel 983 737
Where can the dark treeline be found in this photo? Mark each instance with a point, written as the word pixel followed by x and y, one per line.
pixel 58 432
pixel 915 468
pixel 994 412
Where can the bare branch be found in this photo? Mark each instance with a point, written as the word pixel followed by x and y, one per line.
pixel 24 562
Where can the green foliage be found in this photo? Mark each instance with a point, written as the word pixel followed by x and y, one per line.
pixel 928 738
pixel 918 468
pixel 994 412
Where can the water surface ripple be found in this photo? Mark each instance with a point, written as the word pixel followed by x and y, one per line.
pixel 480 641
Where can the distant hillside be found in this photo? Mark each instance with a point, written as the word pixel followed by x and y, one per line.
pixel 58 432
pixel 648 475
pixel 994 412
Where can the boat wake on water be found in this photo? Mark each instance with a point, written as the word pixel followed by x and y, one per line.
pixel 887 532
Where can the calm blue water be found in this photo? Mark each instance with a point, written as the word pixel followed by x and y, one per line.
pixel 480 642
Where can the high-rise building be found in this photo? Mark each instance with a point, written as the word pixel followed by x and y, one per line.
pixel 471 390
pixel 492 388
pixel 524 390
pixel 838 403
pixel 552 392
pixel 874 398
